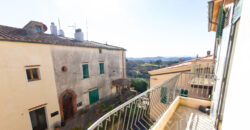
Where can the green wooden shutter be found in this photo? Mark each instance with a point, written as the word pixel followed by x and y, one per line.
pixel 85 70
pixel 220 24
pixel 182 92
pixel 186 93
pixel 101 68
pixel 93 96
pixel 164 95
pixel 97 95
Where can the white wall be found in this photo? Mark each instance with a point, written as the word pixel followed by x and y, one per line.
pixel 237 106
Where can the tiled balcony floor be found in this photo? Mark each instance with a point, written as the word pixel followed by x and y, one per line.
pixel 186 118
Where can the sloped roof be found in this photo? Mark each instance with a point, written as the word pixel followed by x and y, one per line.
pixel 180 67
pixel 22 35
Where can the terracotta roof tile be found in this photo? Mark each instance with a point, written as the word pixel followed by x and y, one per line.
pixel 183 66
pixel 20 35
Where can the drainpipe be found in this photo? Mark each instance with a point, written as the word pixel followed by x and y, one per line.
pixel 123 65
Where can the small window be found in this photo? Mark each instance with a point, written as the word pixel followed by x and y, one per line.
pixel 85 69
pixel 38 28
pixel 101 68
pixel 32 74
pixel 100 51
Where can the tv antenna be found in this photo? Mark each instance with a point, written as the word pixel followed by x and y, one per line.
pixel 73 26
pixel 59 24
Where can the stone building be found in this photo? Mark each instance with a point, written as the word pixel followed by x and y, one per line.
pixel 46 78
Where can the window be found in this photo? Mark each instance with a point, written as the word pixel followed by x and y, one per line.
pixel 32 74
pixel 38 28
pixel 85 69
pixel 164 95
pixel 93 96
pixel 38 119
pixel 100 50
pixel 101 68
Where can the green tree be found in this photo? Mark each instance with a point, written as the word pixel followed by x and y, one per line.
pixel 139 84
pixel 158 62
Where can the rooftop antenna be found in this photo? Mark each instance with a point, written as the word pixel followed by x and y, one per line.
pixel 73 26
pixel 61 32
pixel 59 24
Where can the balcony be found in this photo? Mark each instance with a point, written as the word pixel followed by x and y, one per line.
pixel 172 104
pixel 183 114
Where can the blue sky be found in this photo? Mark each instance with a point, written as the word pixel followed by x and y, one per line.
pixel 144 27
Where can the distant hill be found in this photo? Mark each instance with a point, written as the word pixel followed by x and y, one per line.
pixel 148 59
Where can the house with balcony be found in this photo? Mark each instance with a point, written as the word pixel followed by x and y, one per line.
pixel 47 78
pixel 164 107
pixel 196 75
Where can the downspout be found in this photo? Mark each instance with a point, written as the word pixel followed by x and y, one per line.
pixel 123 67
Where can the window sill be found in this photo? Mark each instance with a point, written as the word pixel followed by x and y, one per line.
pixel 33 80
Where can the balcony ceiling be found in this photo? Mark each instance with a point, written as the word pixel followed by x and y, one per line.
pixel 214 12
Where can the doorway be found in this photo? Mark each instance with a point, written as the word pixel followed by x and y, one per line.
pixel 38 119
pixel 68 109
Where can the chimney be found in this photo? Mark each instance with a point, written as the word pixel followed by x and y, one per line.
pixel 197 56
pixel 208 53
pixel 79 35
pixel 180 60
pixel 61 33
pixel 53 29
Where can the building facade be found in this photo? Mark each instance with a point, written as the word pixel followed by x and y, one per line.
pixel 198 72
pixel 53 76
pixel 28 87
pixel 70 65
pixel 231 23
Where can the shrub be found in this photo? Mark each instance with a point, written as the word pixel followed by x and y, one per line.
pixel 102 106
pixel 139 84
pixel 89 124
pixel 111 107
pixel 76 128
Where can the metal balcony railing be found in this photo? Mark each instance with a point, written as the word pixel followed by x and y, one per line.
pixel 142 111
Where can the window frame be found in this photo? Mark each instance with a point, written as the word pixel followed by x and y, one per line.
pixel 101 67
pixel 30 72
pixel 38 28
pixel 83 76
pixel 35 110
pixel 100 50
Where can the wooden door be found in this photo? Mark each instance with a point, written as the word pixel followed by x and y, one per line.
pixel 67 106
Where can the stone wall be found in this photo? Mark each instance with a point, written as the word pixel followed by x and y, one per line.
pixel 74 57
